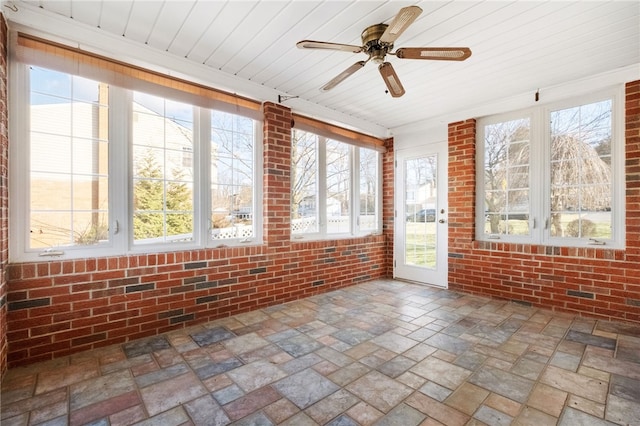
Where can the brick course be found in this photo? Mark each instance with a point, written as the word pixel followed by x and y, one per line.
pixel 60 307
pixel 598 282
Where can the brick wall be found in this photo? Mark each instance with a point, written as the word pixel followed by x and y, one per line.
pixel 4 198
pixel 61 307
pixel 596 282
pixel 388 193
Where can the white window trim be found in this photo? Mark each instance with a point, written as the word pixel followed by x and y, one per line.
pixel 120 180
pixel 540 168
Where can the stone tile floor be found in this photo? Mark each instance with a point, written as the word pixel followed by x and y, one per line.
pixel 383 353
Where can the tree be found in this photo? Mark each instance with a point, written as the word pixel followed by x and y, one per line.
pixel 148 199
pixel 580 173
pixel 179 206
pixel 303 169
pixel 158 214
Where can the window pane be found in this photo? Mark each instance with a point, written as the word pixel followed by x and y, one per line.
pixel 304 184
pixel 232 171
pixel 368 189
pixel 338 187
pixel 420 205
pixel 162 179
pixel 68 160
pixel 581 177
pixel 506 177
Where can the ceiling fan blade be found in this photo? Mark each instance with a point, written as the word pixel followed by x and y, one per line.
pixel 400 22
pixel 434 53
pixel 391 79
pixel 343 75
pixel 310 44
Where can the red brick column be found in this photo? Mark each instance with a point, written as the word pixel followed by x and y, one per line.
pixel 277 175
pixel 4 197
pixel 388 204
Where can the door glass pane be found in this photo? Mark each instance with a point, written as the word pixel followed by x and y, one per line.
pixel 421 208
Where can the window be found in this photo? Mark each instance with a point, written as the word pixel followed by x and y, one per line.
pixel 162 184
pixel 112 170
pixel 506 177
pixel 334 187
pixel 68 170
pixel 232 176
pixel 552 175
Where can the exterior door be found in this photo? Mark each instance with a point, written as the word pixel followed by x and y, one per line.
pixel 420 246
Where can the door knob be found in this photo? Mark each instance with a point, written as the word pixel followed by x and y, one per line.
pixel 441 221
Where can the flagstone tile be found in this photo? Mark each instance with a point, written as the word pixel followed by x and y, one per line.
pixel 439 411
pixel 226 395
pixel 161 375
pixel 14 409
pixel 586 406
pixel 435 391
pixel 402 415
pixel 467 398
pixel 145 346
pixel 504 383
pixel 176 416
pixel 493 417
pixel 394 342
pixel 160 396
pixel 503 404
pixel 441 372
pixel 590 339
pixel 251 402
pixel 210 369
pixel 571 417
pixel 331 406
pixel 574 383
pixel 449 343
pixel 348 374
pixel 245 343
pixel 61 377
pixel 547 399
pixel 104 408
pixel 205 411
pixel 305 388
pixel 299 345
pixel 379 390
pixel 128 416
pixel 532 417
pixel 210 336
pixel 49 413
pixel 256 375
pixel 281 410
pixel 100 388
pixel 621 411
pixel 364 414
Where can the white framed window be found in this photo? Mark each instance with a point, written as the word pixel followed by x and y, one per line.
pixel 335 188
pixel 103 170
pixel 554 174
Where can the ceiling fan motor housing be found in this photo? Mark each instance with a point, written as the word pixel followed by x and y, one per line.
pixel 372 45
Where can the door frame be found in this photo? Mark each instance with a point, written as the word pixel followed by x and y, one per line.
pixel 439 275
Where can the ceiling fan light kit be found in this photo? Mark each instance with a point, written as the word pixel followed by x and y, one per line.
pixel 377 42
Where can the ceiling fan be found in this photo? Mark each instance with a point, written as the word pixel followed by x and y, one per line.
pixel 377 42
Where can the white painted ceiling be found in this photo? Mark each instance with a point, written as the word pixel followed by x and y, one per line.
pixel 249 47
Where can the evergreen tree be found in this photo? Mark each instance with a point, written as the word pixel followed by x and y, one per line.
pixel 148 199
